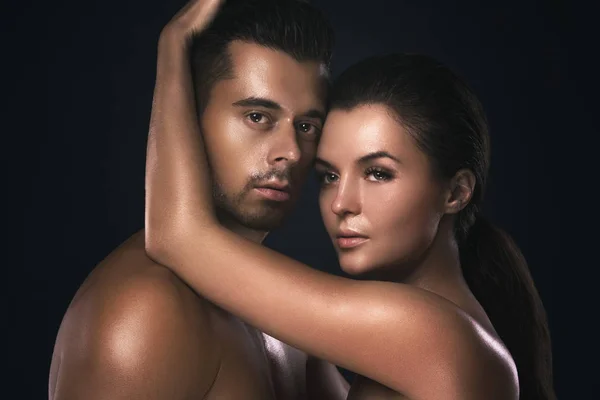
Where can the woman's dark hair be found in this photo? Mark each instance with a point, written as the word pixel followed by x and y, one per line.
pixel 447 122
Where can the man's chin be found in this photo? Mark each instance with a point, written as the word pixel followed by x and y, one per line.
pixel 263 218
pixel 264 221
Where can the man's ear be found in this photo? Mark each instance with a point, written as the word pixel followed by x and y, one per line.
pixel 462 186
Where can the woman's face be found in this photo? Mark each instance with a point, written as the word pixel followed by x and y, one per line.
pixel 379 199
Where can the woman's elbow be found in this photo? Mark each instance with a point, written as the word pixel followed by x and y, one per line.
pixel 158 239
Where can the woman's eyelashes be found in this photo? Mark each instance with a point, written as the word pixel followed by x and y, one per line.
pixel 379 174
pixel 325 177
pixel 371 174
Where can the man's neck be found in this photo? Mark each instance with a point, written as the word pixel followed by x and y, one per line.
pixel 253 235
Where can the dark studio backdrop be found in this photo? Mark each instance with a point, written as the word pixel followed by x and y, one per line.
pixel 80 80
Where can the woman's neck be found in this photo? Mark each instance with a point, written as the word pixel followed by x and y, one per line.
pixel 437 270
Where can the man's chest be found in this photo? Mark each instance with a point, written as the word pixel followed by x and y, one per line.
pixel 288 368
pixel 256 366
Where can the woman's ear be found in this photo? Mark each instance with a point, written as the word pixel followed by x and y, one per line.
pixel 461 191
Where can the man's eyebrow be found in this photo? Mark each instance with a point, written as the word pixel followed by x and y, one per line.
pixel 257 102
pixel 314 113
pixel 270 104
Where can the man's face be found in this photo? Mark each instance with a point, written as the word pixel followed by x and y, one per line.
pixel 261 130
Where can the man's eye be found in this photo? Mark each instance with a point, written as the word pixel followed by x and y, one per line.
pixel 257 118
pixel 308 129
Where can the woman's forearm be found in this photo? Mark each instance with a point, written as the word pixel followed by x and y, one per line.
pixel 177 179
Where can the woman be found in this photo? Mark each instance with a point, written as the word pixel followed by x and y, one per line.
pixel 446 309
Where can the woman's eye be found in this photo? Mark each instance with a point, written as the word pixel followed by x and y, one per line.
pixel 329 178
pixel 326 178
pixel 378 175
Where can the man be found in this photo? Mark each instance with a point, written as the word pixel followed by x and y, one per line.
pixel 134 330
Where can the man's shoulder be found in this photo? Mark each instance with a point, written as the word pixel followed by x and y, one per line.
pixel 127 271
pixel 130 295
pixel 134 318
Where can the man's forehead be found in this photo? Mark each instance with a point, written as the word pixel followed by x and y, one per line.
pixel 263 72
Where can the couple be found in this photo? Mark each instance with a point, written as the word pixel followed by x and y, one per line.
pixel 444 307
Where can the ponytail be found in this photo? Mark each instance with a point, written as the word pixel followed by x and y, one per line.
pixel 499 277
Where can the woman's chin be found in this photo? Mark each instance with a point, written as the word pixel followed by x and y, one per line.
pixel 365 268
pixel 354 267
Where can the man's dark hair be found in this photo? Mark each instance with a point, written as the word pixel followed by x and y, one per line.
pixel 292 26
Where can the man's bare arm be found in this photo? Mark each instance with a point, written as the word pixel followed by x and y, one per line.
pixel 146 340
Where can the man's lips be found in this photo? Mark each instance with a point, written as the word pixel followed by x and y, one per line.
pixel 276 191
pixel 281 186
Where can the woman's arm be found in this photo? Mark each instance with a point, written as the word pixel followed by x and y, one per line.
pixel 380 330
pixel 175 146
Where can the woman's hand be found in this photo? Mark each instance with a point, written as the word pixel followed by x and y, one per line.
pixel 191 20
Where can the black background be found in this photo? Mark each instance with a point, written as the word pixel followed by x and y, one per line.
pixel 78 82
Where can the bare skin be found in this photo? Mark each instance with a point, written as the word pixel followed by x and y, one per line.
pixel 415 333
pixel 134 330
